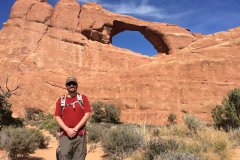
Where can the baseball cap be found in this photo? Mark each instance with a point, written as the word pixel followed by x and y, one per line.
pixel 71 79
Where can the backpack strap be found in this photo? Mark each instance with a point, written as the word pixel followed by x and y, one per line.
pixel 63 99
pixel 79 98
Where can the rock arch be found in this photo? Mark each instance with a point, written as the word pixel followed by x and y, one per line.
pixel 101 25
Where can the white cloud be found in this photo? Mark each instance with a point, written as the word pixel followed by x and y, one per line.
pixel 135 8
pixel 85 1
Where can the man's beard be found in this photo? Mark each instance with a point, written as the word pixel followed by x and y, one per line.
pixel 72 91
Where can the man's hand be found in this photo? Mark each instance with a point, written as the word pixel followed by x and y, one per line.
pixel 71 132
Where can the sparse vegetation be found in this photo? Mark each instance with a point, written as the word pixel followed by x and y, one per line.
pixel 121 141
pixel 159 146
pixel 192 122
pixel 94 133
pixel 50 125
pixel 21 142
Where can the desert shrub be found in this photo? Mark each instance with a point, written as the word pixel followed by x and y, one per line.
pixel 208 141
pixel 50 125
pixel 109 115
pixel 32 122
pixel 194 147
pixel 30 114
pixel 159 146
pixel 180 130
pixel 40 116
pixel 171 118
pixel 155 132
pixel 131 125
pixel 120 142
pixel 234 135
pixel 98 113
pixel 49 116
pixel 106 125
pixel 174 155
pixel 192 122
pixel 94 132
pixel 21 141
pixel 226 116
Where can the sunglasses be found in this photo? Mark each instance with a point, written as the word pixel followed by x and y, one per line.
pixel 71 83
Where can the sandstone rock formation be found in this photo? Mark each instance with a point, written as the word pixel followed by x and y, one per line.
pixel 40 46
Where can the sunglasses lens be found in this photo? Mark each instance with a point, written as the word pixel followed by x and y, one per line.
pixel 71 83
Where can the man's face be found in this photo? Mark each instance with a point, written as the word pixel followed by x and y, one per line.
pixel 71 87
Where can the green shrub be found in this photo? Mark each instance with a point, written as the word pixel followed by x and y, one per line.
pixel 120 142
pixel 40 116
pixel 109 115
pixel 49 116
pixel 98 113
pixel 159 146
pixel 226 116
pixel 21 141
pixel 50 125
pixel 94 132
pixel 192 122
pixel 171 118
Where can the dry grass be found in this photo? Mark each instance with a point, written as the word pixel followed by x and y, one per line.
pixel 205 143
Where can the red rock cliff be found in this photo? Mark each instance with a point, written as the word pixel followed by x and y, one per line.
pixel 40 46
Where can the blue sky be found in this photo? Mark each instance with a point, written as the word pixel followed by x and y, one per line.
pixel 200 16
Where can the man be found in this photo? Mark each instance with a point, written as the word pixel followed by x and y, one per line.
pixel 72 122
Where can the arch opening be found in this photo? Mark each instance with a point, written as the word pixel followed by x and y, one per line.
pixel 155 39
pixel 134 41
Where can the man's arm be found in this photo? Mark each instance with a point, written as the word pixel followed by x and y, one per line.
pixel 82 122
pixel 70 131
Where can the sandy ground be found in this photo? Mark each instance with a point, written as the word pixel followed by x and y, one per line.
pixel 93 154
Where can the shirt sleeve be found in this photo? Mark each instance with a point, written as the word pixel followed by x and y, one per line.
pixel 87 107
pixel 58 110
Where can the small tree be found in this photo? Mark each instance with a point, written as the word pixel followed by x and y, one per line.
pixel 226 116
pixel 171 118
pixel 6 118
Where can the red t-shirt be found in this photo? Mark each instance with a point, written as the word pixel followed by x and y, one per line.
pixel 70 116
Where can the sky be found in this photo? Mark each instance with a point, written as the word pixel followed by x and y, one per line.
pixel 200 16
